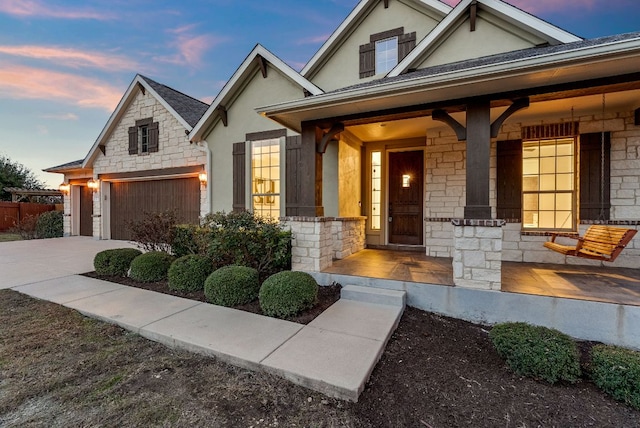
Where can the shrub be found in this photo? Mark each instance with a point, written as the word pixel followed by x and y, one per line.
pixel 154 232
pixel 151 267
pixel 188 273
pixel 232 286
pixel 189 239
pixel 115 262
pixel 287 293
pixel 241 238
pixel 617 372
pixel 49 225
pixel 539 352
pixel 26 228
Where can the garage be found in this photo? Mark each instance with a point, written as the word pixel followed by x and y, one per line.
pixel 131 200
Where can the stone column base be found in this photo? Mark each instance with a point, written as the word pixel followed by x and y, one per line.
pixel 477 253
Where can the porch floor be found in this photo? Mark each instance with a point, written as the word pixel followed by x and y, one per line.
pixel 594 283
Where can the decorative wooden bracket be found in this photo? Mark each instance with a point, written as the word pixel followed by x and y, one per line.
pixel 443 116
pixel 637 117
pixel 386 4
pixel 336 128
pixel 222 111
pixel 142 89
pixel 473 15
pixel 103 149
pixel 263 66
pixel 518 104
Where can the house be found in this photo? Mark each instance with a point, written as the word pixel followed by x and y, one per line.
pixel 469 133
pixel 141 162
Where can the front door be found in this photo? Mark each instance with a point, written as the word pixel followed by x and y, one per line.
pixel 406 184
pixel 86 211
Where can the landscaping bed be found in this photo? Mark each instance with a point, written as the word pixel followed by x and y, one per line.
pixel 327 296
pixel 60 369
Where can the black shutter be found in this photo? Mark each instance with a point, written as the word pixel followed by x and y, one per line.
pixel 367 60
pixel 406 43
pixel 509 179
pixel 593 201
pixel 154 135
pixel 293 186
pixel 239 177
pixel 133 140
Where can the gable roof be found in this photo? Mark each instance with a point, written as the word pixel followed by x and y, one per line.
pixel 236 83
pixel 362 9
pixel 185 109
pixel 69 166
pixel 552 34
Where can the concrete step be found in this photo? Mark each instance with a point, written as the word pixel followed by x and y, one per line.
pixel 379 296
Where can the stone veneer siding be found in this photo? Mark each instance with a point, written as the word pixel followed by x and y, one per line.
pixel 477 254
pixel 317 241
pixel 445 191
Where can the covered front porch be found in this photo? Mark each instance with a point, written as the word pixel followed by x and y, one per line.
pixel 592 283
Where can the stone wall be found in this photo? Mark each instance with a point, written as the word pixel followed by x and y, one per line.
pixel 477 255
pixel 347 236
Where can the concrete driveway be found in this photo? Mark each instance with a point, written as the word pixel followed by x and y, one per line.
pixel 26 262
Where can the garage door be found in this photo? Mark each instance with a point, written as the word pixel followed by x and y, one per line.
pixel 132 199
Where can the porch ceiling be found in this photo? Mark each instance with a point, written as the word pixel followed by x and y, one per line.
pixel 547 107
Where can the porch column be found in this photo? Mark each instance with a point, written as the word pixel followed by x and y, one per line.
pixel 310 172
pixel 478 159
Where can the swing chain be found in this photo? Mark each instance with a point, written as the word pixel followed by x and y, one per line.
pixel 602 162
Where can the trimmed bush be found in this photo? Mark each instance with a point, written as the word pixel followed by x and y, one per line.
pixel 616 371
pixel 151 267
pixel 188 273
pixel 232 286
pixel 189 239
pixel 155 231
pixel 287 293
pixel 49 225
pixel 115 262
pixel 538 352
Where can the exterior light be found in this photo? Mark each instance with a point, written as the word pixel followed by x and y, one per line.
pixel 64 188
pixel 93 184
pixel 203 177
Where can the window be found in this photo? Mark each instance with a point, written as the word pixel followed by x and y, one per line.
pixel 265 177
pixel 386 55
pixel 144 138
pixel 376 190
pixel 548 184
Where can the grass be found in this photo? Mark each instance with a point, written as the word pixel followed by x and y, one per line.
pixel 6 237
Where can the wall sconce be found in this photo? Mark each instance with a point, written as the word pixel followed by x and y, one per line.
pixel 64 188
pixel 93 185
pixel 203 177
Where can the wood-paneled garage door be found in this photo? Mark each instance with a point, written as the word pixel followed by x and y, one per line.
pixel 130 200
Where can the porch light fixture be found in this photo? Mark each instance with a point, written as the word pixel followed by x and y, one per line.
pixel 64 188
pixel 406 180
pixel 93 185
pixel 203 177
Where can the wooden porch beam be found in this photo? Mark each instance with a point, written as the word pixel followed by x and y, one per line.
pixel 336 128
pixel 518 104
pixel 310 204
pixel 222 111
pixel 478 160
pixel 263 65
pixel 443 116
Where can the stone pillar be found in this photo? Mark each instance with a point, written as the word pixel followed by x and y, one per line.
pixel 66 214
pixel 348 236
pixel 312 246
pixel 477 253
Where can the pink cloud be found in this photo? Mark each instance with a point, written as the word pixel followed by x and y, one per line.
pixel 61 116
pixel 38 8
pixel 313 40
pixel 191 48
pixel 20 82
pixel 71 57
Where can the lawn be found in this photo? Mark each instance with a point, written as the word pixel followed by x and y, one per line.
pixel 60 369
pixel 6 237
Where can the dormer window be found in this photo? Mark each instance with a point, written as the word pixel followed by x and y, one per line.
pixel 384 51
pixel 386 55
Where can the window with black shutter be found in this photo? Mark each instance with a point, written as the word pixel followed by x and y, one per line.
pixel 509 179
pixel 595 176
pixel 293 159
pixel 384 51
pixel 239 177
pixel 144 137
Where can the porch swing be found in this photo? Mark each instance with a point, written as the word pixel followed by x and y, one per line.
pixel 600 242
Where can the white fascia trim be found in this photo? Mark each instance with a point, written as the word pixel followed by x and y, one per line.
pixel 505 11
pixel 349 21
pixel 230 87
pixel 452 78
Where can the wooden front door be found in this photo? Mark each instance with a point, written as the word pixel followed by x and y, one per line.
pixel 406 184
pixel 86 211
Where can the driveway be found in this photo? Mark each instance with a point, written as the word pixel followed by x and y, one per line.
pixel 26 262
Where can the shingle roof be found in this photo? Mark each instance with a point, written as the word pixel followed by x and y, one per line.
pixel 494 59
pixel 189 108
pixel 65 166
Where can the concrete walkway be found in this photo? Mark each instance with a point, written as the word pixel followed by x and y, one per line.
pixel 334 354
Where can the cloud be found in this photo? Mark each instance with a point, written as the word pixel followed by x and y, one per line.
pixel 314 40
pixel 61 116
pixel 21 82
pixel 190 48
pixel 71 57
pixel 37 8
pixel 543 6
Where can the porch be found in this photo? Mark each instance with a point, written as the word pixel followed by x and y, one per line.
pixel 592 283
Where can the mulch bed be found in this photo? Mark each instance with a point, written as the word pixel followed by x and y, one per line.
pixel 327 296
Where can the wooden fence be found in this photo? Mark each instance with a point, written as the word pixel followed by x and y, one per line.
pixel 12 212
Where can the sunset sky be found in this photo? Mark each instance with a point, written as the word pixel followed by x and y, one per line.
pixel 64 65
